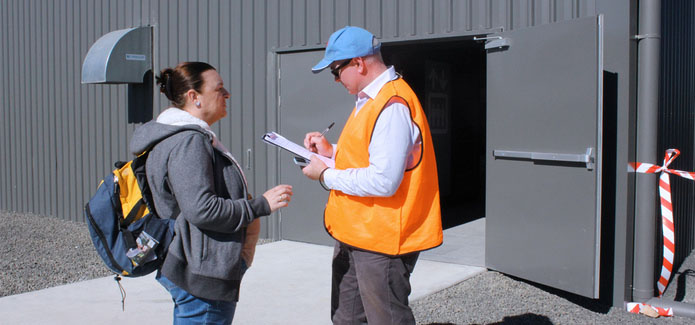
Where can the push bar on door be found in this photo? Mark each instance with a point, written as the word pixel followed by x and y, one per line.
pixel 587 158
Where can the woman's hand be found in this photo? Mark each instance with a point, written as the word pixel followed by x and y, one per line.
pixel 278 196
pixel 317 143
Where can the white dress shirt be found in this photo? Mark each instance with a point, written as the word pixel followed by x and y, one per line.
pixel 395 146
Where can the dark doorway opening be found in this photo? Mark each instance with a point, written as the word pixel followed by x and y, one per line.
pixel 449 79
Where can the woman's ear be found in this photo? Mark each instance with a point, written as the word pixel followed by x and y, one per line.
pixel 192 97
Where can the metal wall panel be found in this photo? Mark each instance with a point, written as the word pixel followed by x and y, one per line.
pixel 4 108
pixel 300 22
pixel 676 112
pixel 61 137
pixel 8 123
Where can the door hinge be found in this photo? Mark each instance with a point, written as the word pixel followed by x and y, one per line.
pixel 494 42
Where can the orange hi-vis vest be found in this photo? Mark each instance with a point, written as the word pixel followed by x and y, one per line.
pixel 410 220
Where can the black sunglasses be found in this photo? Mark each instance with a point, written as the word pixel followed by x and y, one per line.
pixel 336 71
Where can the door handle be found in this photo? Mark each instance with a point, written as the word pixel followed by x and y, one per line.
pixel 248 159
pixel 587 158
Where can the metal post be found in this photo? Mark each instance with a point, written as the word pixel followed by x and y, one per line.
pixel 679 308
pixel 647 127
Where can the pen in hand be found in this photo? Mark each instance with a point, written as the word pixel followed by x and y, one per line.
pixel 328 128
pixel 312 146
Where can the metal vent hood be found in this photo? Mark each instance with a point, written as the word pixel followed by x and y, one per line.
pixel 124 57
pixel 121 56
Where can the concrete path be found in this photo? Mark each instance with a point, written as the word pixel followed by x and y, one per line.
pixel 289 283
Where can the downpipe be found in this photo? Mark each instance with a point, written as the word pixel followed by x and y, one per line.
pixel 648 49
pixel 647 134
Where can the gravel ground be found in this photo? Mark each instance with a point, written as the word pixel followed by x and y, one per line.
pixel 493 298
pixel 40 252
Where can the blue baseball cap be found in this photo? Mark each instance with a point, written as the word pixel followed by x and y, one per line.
pixel 347 43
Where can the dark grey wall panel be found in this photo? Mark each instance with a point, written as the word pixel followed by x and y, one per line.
pixel 61 137
pixel 4 108
pixel 10 123
pixel 51 124
pixel 301 21
pixel 676 111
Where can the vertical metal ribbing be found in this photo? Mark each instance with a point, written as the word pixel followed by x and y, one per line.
pixel 677 129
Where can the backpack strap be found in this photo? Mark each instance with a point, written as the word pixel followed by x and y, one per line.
pixel 138 209
pixel 128 237
pixel 139 164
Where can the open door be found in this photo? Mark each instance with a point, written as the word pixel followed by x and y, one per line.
pixel 543 175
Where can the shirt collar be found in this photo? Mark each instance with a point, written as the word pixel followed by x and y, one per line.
pixel 372 90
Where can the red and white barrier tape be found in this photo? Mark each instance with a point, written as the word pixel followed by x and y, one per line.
pixel 667 225
pixel 636 308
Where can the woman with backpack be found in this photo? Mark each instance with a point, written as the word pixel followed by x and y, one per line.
pixel 196 180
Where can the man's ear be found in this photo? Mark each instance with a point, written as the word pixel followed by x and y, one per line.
pixel 361 65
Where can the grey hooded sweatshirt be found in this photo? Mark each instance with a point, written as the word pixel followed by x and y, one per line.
pixel 205 192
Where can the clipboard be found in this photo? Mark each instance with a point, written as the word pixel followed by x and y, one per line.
pixel 295 149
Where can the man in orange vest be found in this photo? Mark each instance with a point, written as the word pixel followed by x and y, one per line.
pixel 383 208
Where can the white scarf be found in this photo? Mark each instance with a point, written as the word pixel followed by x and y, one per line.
pixel 179 117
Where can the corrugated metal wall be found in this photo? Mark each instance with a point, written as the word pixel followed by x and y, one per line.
pixel 59 137
pixel 677 113
pixel 310 22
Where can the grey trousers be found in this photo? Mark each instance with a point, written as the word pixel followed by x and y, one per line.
pixel 370 287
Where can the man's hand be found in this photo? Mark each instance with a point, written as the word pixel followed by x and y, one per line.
pixel 317 143
pixel 313 170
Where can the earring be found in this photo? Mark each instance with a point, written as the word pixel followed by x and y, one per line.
pixel 197 104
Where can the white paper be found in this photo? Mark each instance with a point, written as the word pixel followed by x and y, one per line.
pixel 280 141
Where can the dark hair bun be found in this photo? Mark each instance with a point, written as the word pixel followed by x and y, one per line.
pixel 174 83
pixel 164 82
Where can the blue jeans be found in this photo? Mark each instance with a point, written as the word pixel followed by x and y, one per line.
pixel 189 309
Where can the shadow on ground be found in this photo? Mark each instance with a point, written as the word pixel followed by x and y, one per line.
pixel 681 278
pixel 516 320
pixel 584 302
pixel 525 319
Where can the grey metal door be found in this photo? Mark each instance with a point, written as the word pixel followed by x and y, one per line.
pixel 544 154
pixel 308 102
